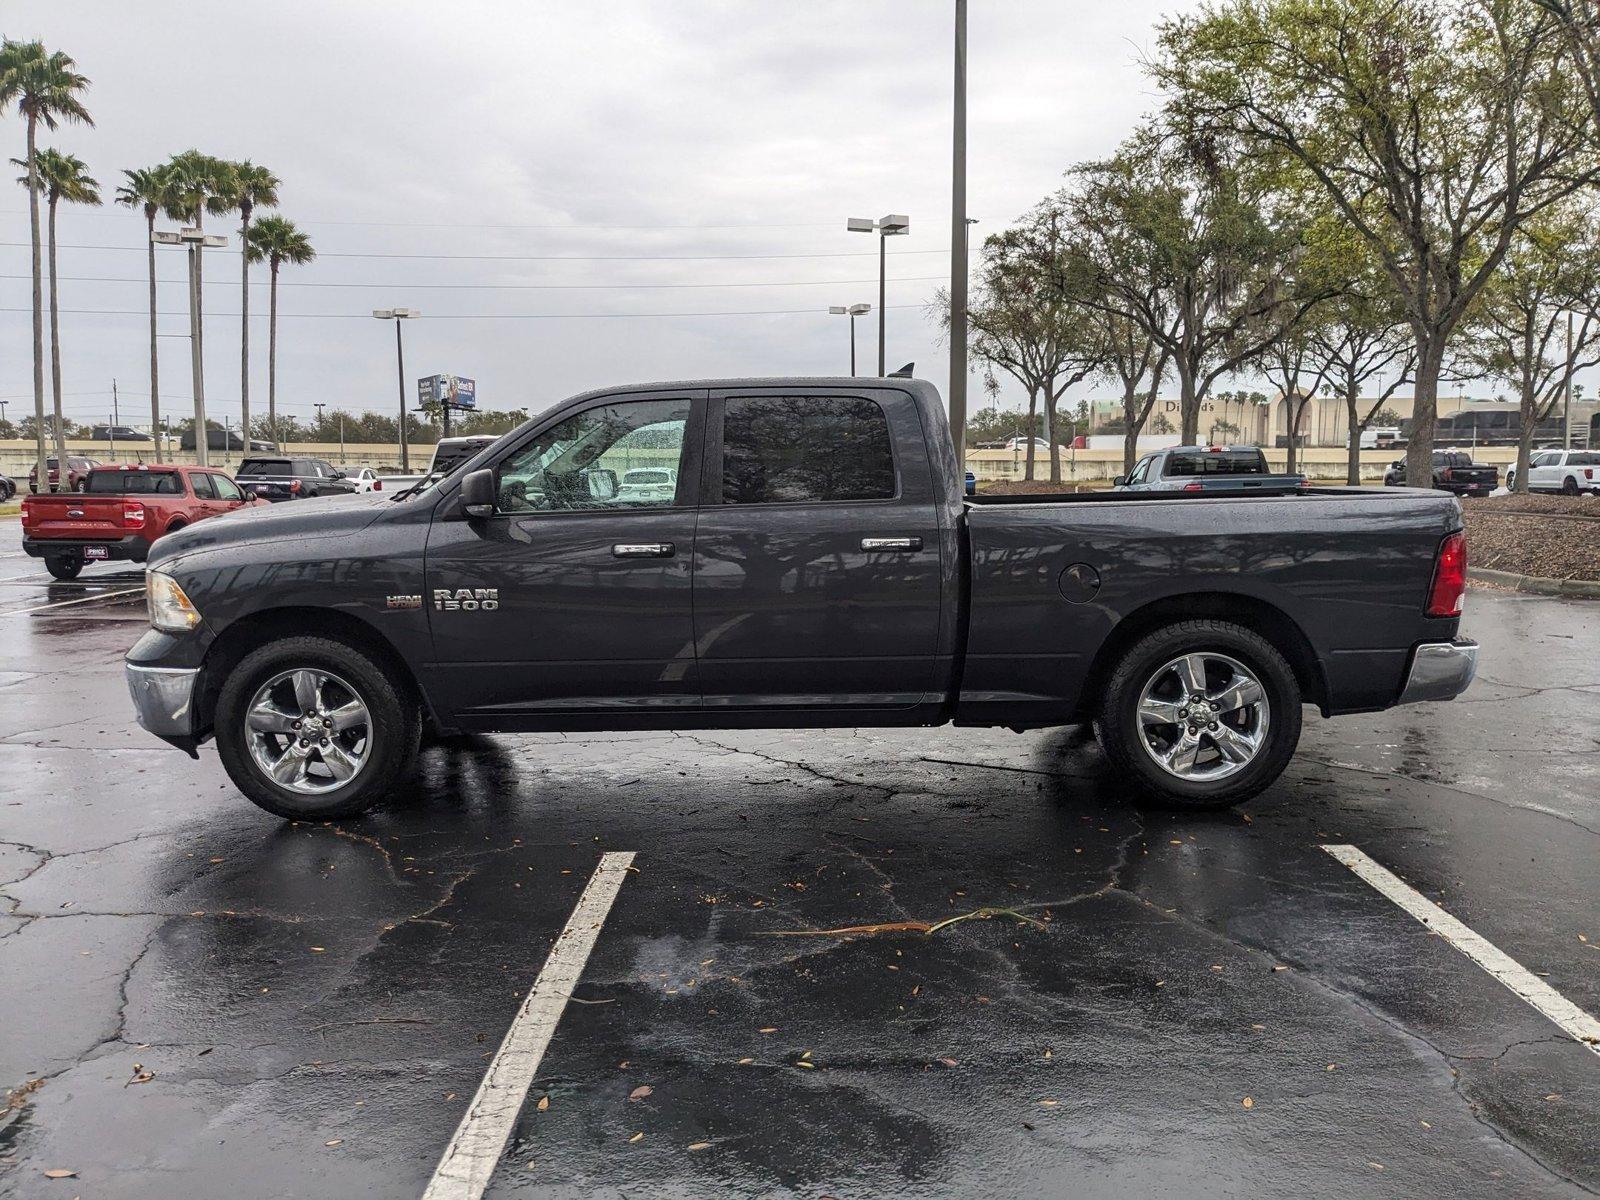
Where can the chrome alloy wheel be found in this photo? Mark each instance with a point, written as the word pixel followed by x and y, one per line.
pixel 308 731
pixel 1203 716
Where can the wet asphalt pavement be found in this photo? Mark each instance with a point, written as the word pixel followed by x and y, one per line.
pixel 222 1004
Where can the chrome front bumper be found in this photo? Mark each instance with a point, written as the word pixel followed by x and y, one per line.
pixel 163 699
pixel 1440 671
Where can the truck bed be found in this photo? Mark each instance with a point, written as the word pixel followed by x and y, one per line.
pixel 1347 570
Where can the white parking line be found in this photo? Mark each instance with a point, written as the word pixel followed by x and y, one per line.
pixel 470 1158
pixel 17 612
pixel 1572 1019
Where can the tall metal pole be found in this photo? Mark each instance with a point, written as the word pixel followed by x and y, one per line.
pixel 201 439
pixel 852 344
pixel 958 244
pixel 882 284
pixel 400 360
pixel 1566 403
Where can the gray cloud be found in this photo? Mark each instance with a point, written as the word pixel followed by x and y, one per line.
pixel 516 129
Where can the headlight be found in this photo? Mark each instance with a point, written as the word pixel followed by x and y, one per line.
pixel 170 609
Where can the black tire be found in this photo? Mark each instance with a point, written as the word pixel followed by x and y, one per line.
pixel 1122 738
pixel 63 566
pixel 391 736
pixel 1569 486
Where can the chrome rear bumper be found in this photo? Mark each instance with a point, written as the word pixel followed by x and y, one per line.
pixel 1440 671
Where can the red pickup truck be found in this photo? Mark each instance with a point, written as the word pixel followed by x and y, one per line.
pixel 120 512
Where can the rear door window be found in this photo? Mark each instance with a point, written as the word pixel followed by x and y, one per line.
pixel 795 449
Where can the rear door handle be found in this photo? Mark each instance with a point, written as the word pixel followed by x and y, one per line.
pixel 642 550
pixel 900 545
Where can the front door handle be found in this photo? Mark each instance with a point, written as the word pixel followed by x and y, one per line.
pixel 642 550
pixel 899 545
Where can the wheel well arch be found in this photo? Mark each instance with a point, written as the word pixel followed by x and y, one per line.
pixel 1253 613
pixel 266 625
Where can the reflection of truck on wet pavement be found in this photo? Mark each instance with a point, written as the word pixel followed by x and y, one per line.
pixel 815 565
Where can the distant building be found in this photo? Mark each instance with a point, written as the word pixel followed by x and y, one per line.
pixel 1462 420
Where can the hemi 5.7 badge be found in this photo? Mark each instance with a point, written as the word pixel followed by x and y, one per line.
pixel 404 601
pixel 466 599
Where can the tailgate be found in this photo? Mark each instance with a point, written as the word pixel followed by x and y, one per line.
pixel 76 515
pixel 269 487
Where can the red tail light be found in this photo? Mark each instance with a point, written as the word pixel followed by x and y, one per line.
pixel 133 516
pixel 1588 472
pixel 1447 473
pixel 377 485
pixel 1194 487
pixel 1449 577
pixel 294 486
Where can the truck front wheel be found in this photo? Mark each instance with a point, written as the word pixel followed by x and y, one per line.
pixel 312 728
pixel 1202 714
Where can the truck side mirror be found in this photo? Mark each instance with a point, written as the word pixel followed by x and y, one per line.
pixel 602 483
pixel 477 493
pixel 1120 481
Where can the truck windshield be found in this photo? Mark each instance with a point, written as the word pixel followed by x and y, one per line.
pixel 264 466
pixel 134 483
pixel 1216 462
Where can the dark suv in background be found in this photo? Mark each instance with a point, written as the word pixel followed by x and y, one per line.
pixel 275 478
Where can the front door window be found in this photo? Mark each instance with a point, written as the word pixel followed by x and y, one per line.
pixel 613 456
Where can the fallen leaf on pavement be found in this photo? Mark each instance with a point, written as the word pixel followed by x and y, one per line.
pixel 640 1092
pixel 699 1145
pixel 544 1103
pixel 59 1173
pixel 638 1137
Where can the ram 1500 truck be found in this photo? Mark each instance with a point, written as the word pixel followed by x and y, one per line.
pixel 817 565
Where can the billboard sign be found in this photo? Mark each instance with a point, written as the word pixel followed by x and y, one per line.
pixel 454 391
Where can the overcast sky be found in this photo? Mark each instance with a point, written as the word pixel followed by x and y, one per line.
pixel 411 137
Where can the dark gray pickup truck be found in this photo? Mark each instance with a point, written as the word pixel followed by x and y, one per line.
pixel 817 566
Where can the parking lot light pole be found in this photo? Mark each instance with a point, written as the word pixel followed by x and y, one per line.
pixel 852 311
pixel 885 227
pixel 958 243
pixel 397 315
pixel 195 240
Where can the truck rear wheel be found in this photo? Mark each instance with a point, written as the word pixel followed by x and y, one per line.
pixel 63 566
pixel 1202 714
pixel 312 728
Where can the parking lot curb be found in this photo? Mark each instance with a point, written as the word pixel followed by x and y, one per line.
pixel 1582 589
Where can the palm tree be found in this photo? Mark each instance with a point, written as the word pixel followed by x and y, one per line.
pixel 45 87
pixel 64 177
pixel 147 189
pixel 249 185
pixel 277 240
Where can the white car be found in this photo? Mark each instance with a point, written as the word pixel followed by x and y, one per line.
pixel 1570 471
pixel 648 483
pixel 1018 443
pixel 366 480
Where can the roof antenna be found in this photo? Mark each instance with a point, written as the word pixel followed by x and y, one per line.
pixel 906 372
